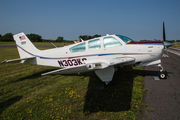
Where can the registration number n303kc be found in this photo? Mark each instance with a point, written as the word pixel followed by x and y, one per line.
pixel 71 62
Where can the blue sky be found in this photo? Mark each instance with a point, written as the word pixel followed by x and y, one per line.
pixel 137 19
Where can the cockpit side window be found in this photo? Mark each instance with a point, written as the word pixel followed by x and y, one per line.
pixel 111 42
pixel 124 38
pixel 78 48
pixel 94 44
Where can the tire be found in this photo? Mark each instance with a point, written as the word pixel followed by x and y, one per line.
pixel 111 83
pixel 162 75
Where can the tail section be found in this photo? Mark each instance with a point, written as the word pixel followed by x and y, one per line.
pixel 25 47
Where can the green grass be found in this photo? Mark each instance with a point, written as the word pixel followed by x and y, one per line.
pixel 176 46
pixel 25 94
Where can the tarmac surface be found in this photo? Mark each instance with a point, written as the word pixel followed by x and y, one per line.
pixel 163 96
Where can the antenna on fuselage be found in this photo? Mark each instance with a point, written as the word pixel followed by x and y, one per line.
pixel 81 39
pixel 53 45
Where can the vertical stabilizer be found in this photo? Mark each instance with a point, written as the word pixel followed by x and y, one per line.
pixel 25 47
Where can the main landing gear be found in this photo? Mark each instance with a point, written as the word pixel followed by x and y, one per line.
pixel 104 84
pixel 162 74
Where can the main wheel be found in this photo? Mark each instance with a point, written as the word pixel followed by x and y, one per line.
pixel 162 75
pixel 111 83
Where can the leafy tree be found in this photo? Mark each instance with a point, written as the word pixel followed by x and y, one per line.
pixel 84 37
pixel 87 37
pixel 171 41
pixel 7 37
pixel 34 37
pixel 145 40
pixel 59 39
pixel 68 41
pixel 96 35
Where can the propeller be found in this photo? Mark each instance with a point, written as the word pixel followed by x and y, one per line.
pixel 166 44
pixel 164 36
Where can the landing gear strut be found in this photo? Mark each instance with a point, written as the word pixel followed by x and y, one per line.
pixel 162 74
pixel 109 83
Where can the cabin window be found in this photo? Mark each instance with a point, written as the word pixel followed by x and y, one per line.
pixel 111 42
pixel 125 39
pixel 94 44
pixel 78 48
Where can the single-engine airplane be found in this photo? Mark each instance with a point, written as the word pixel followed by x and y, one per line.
pixel 102 55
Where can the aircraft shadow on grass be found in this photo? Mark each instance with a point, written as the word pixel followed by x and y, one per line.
pixel 4 105
pixel 32 76
pixel 112 98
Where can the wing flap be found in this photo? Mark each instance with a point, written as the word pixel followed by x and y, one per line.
pixel 97 64
pixel 121 60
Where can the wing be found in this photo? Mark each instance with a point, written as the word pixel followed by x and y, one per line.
pixel 104 63
pixel 121 61
pixel 96 64
pixel 106 74
pixel 67 70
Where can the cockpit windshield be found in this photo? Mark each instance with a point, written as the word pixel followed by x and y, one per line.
pixel 124 38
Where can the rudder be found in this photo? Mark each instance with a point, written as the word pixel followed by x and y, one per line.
pixel 24 45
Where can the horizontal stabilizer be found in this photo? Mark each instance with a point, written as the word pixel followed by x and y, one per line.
pixel 17 60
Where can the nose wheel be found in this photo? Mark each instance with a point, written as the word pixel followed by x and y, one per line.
pixel 162 74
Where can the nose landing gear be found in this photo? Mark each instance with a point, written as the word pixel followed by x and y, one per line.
pixel 162 74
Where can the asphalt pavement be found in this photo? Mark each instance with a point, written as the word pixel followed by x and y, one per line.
pixel 163 96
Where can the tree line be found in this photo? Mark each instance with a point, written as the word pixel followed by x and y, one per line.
pixel 171 41
pixel 8 37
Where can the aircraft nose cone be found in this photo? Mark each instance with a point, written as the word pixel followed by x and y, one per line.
pixel 167 44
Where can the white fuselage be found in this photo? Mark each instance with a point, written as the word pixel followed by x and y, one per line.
pixel 66 57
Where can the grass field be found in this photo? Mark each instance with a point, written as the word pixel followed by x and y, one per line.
pixel 25 94
pixel 176 46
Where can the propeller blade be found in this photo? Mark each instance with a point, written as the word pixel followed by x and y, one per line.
pixel 164 35
pixel 166 44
